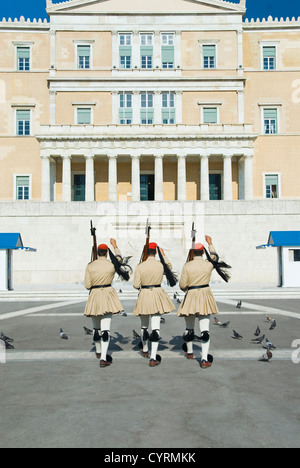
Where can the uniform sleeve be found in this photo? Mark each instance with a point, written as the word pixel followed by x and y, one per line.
pixel 167 261
pixel 137 282
pixel 87 279
pixel 183 283
pixel 118 254
pixel 213 252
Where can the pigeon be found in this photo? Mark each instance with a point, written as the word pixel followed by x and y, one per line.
pixel 217 321
pixel 239 305
pixel 6 338
pixel 120 291
pixel 273 325
pixel 162 320
pixel 136 336
pixel 63 335
pixel 258 340
pixel 124 314
pixel 266 357
pixel 224 325
pixel 269 345
pixel 236 335
pixel 257 332
pixel 8 345
pixel 178 301
pixel 175 295
pixel 88 331
pixel 269 319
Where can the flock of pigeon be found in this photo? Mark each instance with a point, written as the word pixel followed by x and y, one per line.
pixel 259 339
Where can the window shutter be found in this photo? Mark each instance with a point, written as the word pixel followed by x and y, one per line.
pixel 209 51
pixel 22 181
pixel 83 116
pixel 23 114
pixel 167 54
pixel 272 179
pixel 84 50
pixel 125 51
pixel 269 52
pixel 210 115
pixel 23 52
pixel 270 114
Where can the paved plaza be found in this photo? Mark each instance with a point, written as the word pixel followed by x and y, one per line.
pixel 53 393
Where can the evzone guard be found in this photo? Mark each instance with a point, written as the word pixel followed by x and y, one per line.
pixel 103 301
pixel 199 302
pixel 153 301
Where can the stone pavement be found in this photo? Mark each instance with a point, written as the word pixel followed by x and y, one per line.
pixel 53 393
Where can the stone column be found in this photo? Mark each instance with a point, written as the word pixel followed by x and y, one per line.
pixel 248 175
pixel 89 178
pixel 227 171
pixel 66 188
pixel 45 195
pixel 159 178
pixel 135 178
pixel 204 177
pixel 112 178
pixel 181 177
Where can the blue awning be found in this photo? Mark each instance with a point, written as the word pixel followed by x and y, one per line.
pixel 282 239
pixel 13 241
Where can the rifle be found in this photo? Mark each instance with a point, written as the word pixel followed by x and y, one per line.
pixel 191 252
pixel 94 255
pixel 145 251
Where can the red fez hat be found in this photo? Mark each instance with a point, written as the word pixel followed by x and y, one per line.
pixel 152 246
pixel 199 247
pixel 102 247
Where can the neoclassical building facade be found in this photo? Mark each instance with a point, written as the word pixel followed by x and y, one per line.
pixel 181 100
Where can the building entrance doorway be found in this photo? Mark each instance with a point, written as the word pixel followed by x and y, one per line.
pixel 147 187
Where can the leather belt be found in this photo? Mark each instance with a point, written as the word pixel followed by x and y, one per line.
pixel 101 286
pixel 198 287
pixel 151 287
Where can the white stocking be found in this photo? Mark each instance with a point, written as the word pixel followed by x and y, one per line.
pixel 155 325
pixel 190 325
pixel 105 327
pixel 145 320
pixel 97 326
pixel 204 326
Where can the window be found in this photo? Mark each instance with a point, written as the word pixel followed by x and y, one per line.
pixel 210 115
pixel 147 110
pixel 168 108
pixel 271 186
pixel 125 50
pixel 22 185
pixel 146 51
pixel 294 255
pixel 125 110
pixel 23 122
pixel 209 56
pixel 84 116
pixel 167 51
pixel 270 121
pixel 23 58
pixel 269 57
pixel 84 57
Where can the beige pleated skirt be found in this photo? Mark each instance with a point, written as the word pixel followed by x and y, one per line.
pixel 103 301
pixel 153 301
pixel 198 302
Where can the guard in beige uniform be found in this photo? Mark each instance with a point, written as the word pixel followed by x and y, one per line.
pixel 103 301
pixel 153 301
pixel 199 301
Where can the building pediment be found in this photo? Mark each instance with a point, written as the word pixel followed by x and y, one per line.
pixel 143 6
